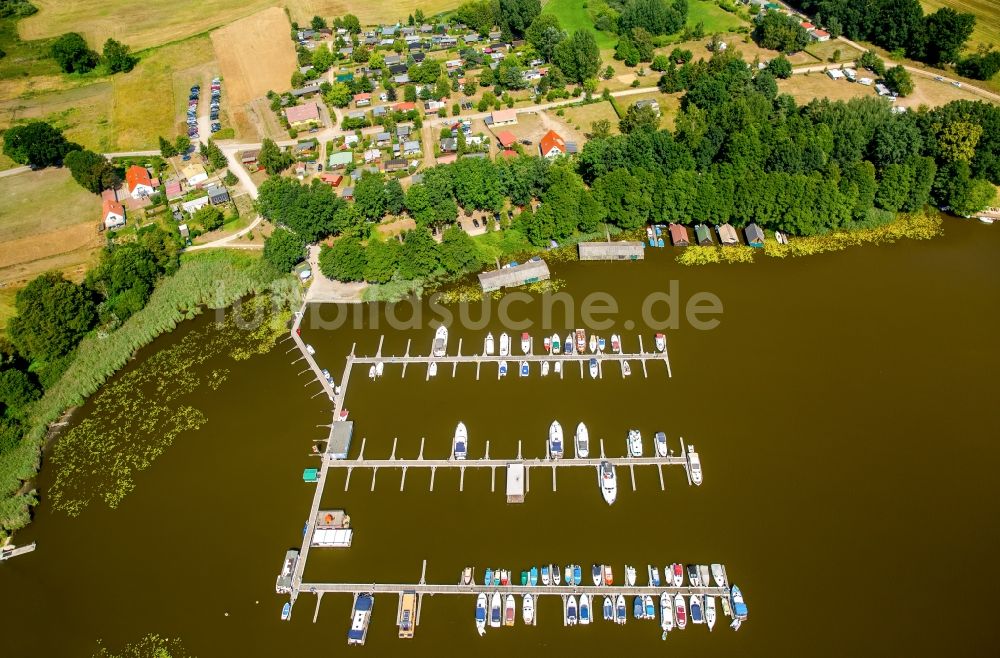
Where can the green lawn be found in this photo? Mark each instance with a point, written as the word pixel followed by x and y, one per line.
pixel 573 16
pixel 714 18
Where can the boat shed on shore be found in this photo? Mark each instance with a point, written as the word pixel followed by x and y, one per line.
pixel 679 235
pixel 624 250
pixel 339 442
pixel 515 482
pixel 727 234
pixel 512 276
pixel 703 235
pixel 755 236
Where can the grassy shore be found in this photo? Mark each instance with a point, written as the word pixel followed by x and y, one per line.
pixel 214 279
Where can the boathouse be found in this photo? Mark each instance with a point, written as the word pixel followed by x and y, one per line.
pixel 702 234
pixel 512 276
pixel 625 250
pixel 339 442
pixel 333 529
pixel 679 235
pixel 755 236
pixel 727 234
pixel 515 482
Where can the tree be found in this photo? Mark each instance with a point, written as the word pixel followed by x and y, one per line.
pixel 458 251
pixel 660 63
pixel 871 61
pixel 312 211
pixel 382 260
pixel 37 144
pixel 17 391
pixel 208 217
pixel 318 23
pixel 167 148
pixel 284 249
pixel 339 95
pixel 779 31
pixel 344 261
pixel 272 158
pixel 765 83
pixel 957 141
pixel 323 58
pixel 981 66
pixel 545 34
pixel 92 171
pixel 361 54
pixel 376 61
pixel 578 57
pixel 351 23
pixel 657 16
pixel 947 32
pixel 72 54
pixel 898 80
pixel 216 157
pixel 419 255
pixel 182 143
pixel 517 15
pixel 369 197
pixel 600 129
pixel 780 67
pixel 118 57
pixel 626 51
pixel 395 198
pixel 639 117
pixel 53 314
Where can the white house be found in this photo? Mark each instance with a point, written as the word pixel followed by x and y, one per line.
pixel 114 214
pixel 552 145
pixel 195 204
pixel 194 174
pixel 504 117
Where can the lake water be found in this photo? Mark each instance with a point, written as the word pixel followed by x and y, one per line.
pixel 844 408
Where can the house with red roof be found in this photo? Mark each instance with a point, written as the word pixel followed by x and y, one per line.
pixel 506 138
pixel 114 213
pixel 362 100
pixel 405 107
pixel 138 181
pixel 552 145
pixel 820 35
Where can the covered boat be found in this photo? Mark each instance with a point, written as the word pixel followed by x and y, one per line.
pixel 525 342
pixel 620 616
pixel 584 609
pixel 503 368
pixel 441 341
pixel 660 443
pixel 593 343
pixel 525 370
pixel 738 605
pixel 496 610
pixel 608 575
pixel 697 614
pixel 460 444
pixel 555 440
pixel 577 574
pixel 286 611
pixel 360 618
pixel 629 575
pixel 666 613
pixel 533 576
pixel 432 369
pixel 581 341
pixel 481 613
pixel 637 608
pixel 616 344
pixel 609 609
pixel 593 368
pixel 489 347
pixel 647 602
pixel 595 575
pixel 546 578
pixel 677 572
pixel 509 610
pixel 571 611
pixel 582 441
pixel 654 575
pixel 568 344
pixel 693 576
pixel 680 612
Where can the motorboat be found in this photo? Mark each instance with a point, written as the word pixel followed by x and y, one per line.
pixel 460 444
pixel 577 575
pixel 680 612
pixel 584 609
pixel 441 341
pixel 547 343
pixel 616 344
pixel 509 610
pixel 694 578
pixel 524 578
pixel 497 577
pixel 706 580
pixel 555 574
pixel 601 343
pixel 503 368
pixel 379 368
pixel 310 349
pixel 432 369
pixel 489 347
pixel 545 368
pixel 697 614
pixel 568 574
pixel 595 574
pixel 634 443
pixel 545 575
pixel 608 575
pixel 571 611
pixel 555 440
pixel 526 343
pixel 556 344
pixel 528 609
pixel 371 372
pixel 593 343
pixel 286 611
pixel 467 576
pixel 582 441
pixel 694 465
pixel 710 612
pixel 495 610
pixel 525 369
pixel 666 613
pixel 488 577
pixel 647 602
pixel 593 368
pixel 581 341
pixel 661 342
pixel 654 575
pixel 626 369
pixel 677 572
pixel 719 575
pixel 481 613
pixel 620 616
pixel 660 443
pixel 558 367
pixel 361 616
pixel 327 376
pixel 609 609
pixel 629 575
pixel 609 488
pixel 504 344
pixel 638 611
pixel 504 577
pixel 568 345
pixel 738 605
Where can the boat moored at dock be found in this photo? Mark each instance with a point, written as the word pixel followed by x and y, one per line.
pixel 649 608
pixel 555 440
pixel 710 612
pixel 694 465
pixel 739 607
pixel 616 344
pixel 693 576
pixel 593 344
pixel 488 346
pixel 460 444
pixel 504 344
pixel 556 344
pixel 360 618
pixel 582 441
pixel 654 575
pixel 525 369
pixel 620 616
pixel 677 574
pixel 703 573
pixel 608 575
pixel 609 608
pixel 496 612
pixel 440 341
pixel 595 574
pixel 407 615
pixel 629 575
pixel 697 614
pixel 503 368
pixel 509 610
pixel 661 342
pixel 584 609
pixel 481 613
pixel 609 489
pixel 634 443
pixel 568 344
pixel 528 609
pixel 719 575
pixel 286 611
pixel 571 611
pixel 593 368
pixel 680 611
pixel 660 443
pixel 526 343
pixel 581 341
pixel 666 613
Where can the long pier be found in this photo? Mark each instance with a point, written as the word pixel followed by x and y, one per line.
pixel 537 590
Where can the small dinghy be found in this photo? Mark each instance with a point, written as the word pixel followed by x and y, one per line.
pixel 545 368
pixel 584 609
pixel 467 576
pixel 571 611
pixel 286 611
pixel 481 613
pixel 626 369
pixel 528 609
pixel 609 609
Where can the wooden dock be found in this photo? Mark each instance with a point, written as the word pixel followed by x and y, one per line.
pixel 7 552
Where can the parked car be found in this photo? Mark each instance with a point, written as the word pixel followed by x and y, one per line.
pixel 475 222
pixel 526 142
pixel 319 167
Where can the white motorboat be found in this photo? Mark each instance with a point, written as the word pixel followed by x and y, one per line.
pixel 460 444
pixel 593 343
pixel 509 610
pixel 660 443
pixel 545 368
pixel 704 575
pixel 558 367
pixel 677 574
pixel 739 606
pixel 634 443
pixel 526 343
pixel 629 575
pixel 626 369
pixel 621 613
pixel 528 609
pixel 694 465
pixel 616 344
pixel 467 576
pixel 571 611
pixel 719 574
pixel 481 613
pixel 309 348
pixel 710 612
pixel 503 369
pixel 595 574
pixel 609 609
pixel 666 613
pixel 524 369
pixel 653 573
pixel 593 368
pixel 556 344
pixel 379 368
pixel 489 347
pixel 371 372
pixel 697 613
pixel 555 440
pixel 568 345
pixel 661 342
pixel 608 481
pixel 432 369
pixel 582 441
pixel 584 609
pixel 601 343
pixel 441 341
pixel 504 344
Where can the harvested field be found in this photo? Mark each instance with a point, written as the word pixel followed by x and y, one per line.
pixel 47 221
pixel 82 113
pixel 255 55
pixel 804 88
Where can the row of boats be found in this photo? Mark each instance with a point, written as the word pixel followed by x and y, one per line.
pixel 576 342
pixel 698 575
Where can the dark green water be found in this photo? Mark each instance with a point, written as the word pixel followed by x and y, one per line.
pixel 844 409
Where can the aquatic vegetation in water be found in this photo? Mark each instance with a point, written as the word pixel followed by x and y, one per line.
pixel 151 646
pixel 698 255
pixel 138 415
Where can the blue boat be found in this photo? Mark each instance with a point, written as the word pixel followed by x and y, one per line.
pixel 496 577
pixel 648 604
pixel 584 609
pixel 697 616
pixel 652 242
pixel 620 617
pixel 360 618
pixel 739 607
pixel 533 576
pixel 503 368
pixel 524 368
pixel 638 611
pixel 489 576
pixel 658 229
pixel 577 574
pixel 286 612
pixel 609 609
pixel 659 242
pixel 545 574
